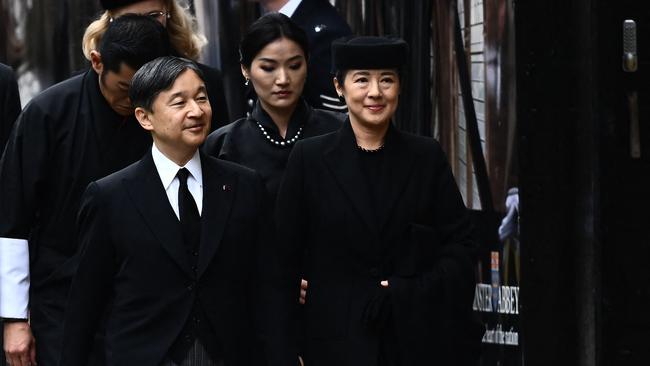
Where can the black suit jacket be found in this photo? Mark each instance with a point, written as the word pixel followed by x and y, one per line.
pixel 133 252
pixel 331 235
pixel 9 103
pixel 323 24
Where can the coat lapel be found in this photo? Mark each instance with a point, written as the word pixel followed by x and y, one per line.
pixel 397 170
pixel 343 162
pixel 147 192
pixel 218 193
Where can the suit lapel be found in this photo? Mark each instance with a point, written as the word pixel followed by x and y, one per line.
pixel 149 196
pixel 343 162
pixel 218 193
pixel 300 13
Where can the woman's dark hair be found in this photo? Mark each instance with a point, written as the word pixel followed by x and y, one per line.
pixel 157 76
pixel 267 29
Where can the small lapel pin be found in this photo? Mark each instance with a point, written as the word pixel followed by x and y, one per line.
pixel 320 27
pixel 226 188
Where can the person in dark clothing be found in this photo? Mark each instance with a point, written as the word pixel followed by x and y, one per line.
pixel 373 219
pixel 9 110
pixel 172 239
pixel 322 24
pixel 185 41
pixel 69 135
pixel 274 60
pixel 9 103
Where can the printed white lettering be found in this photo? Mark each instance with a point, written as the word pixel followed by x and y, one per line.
pixel 498 336
pixel 507 298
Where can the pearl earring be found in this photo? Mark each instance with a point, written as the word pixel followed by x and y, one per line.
pixel 247 81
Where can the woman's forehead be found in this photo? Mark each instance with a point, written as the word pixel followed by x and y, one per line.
pixel 281 48
pixel 142 7
pixel 377 72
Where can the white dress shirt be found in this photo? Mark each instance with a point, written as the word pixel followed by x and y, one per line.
pixel 167 171
pixel 14 278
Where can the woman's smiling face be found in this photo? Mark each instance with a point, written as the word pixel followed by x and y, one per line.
pixel 371 95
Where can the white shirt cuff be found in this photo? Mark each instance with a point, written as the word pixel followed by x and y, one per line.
pixel 14 278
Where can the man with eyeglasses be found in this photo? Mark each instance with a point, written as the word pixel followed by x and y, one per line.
pixel 73 133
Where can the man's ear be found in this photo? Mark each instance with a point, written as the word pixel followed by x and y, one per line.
pixel 338 87
pixel 143 117
pixel 96 62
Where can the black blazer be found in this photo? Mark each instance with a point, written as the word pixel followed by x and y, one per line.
pixel 9 103
pixel 132 251
pixel 331 236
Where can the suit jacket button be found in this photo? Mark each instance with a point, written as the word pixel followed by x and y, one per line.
pixel 190 287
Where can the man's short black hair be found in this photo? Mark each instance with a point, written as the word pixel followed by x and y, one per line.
pixel 133 40
pixel 157 76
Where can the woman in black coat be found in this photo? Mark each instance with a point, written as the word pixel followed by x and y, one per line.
pixel 372 217
pixel 274 55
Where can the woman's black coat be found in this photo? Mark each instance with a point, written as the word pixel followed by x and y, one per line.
pixel 330 234
pixel 243 142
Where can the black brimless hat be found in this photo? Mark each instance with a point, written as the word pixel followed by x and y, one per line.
pixel 365 52
pixel 114 4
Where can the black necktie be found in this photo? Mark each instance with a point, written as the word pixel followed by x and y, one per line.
pixel 189 214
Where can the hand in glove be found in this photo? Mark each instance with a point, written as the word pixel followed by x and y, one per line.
pixel 378 310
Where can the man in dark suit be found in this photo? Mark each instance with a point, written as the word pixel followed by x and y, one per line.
pixel 323 24
pixel 9 110
pixel 172 239
pixel 69 135
pixel 9 103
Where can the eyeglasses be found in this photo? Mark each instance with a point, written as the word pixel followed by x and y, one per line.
pixel 156 15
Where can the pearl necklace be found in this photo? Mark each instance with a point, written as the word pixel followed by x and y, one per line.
pixel 371 150
pixel 285 143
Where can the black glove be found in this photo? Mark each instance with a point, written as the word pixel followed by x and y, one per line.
pixel 378 310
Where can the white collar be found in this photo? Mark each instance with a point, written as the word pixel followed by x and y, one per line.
pixel 167 169
pixel 290 7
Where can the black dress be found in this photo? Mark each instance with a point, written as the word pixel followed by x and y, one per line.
pixel 245 143
pixel 65 138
